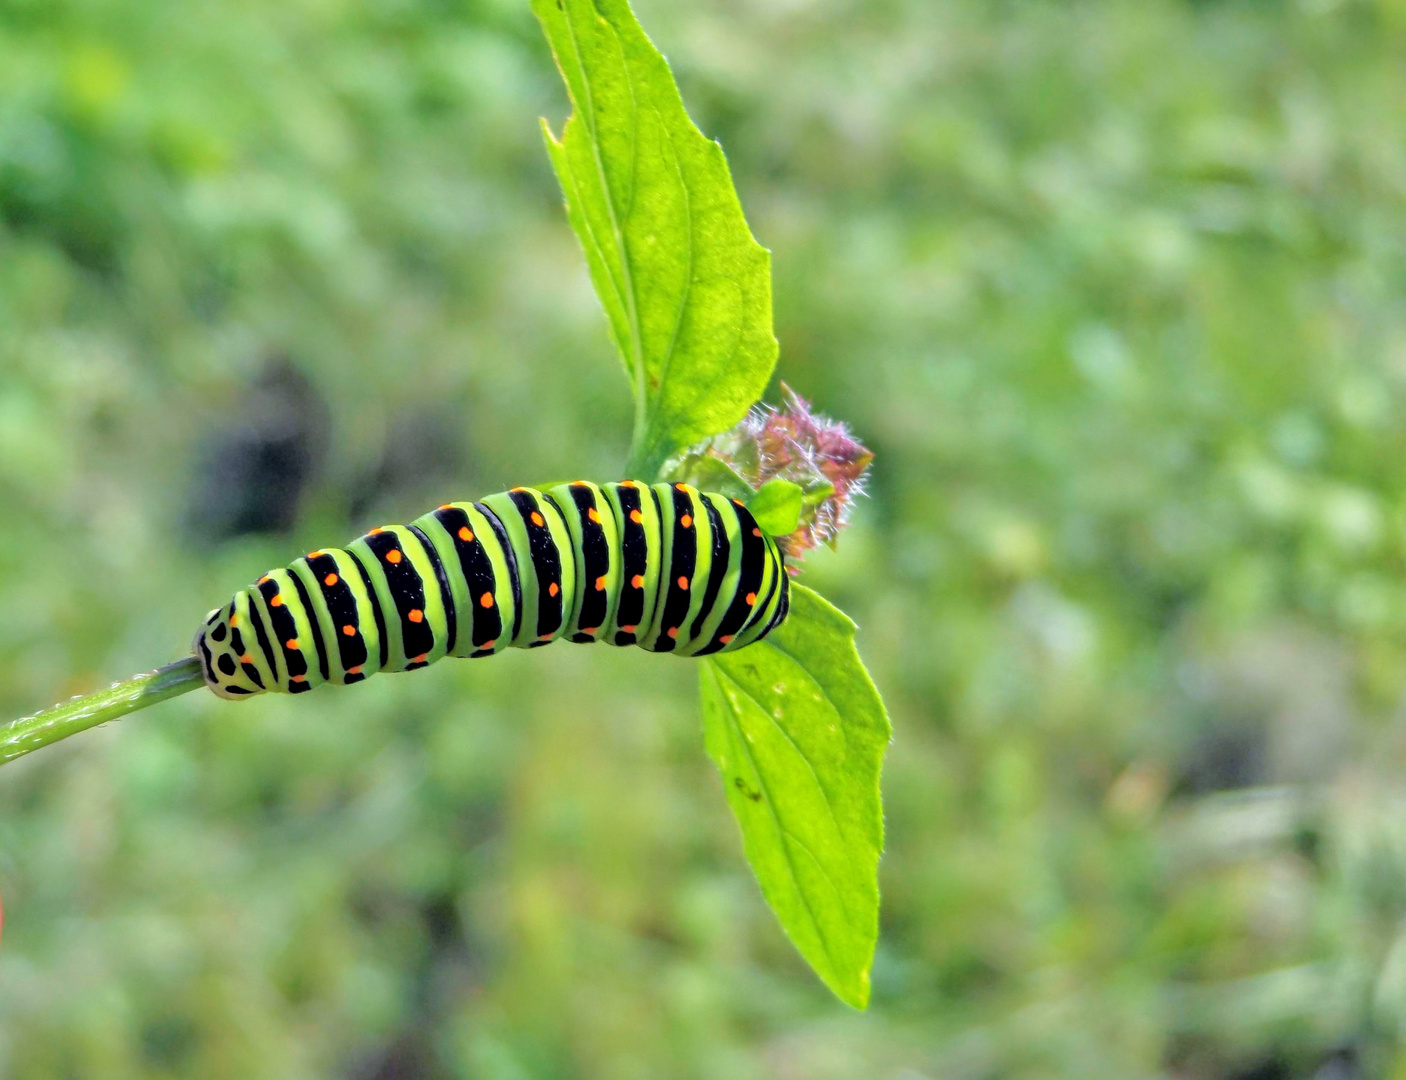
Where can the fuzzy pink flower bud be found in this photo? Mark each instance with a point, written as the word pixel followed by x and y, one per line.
pixel 795 443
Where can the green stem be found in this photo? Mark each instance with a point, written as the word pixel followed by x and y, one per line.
pixel 635 467
pixel 647 469
pixel 78 714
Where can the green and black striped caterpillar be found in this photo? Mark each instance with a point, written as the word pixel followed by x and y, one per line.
pixel 664 567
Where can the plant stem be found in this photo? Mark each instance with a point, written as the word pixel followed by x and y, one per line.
pixel 78 714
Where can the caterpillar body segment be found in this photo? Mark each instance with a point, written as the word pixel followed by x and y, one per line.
pixel 664 567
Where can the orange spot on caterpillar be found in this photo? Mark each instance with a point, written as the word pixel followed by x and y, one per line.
pixel 277 600
pixel 416 615
pixel 756 532
pixel 292 643
pixel 636 517
pixel 330 580
pixel 593 515
pixel 466 534
pixel 264 579
pixel 673 631
pixel 629 629
pixel 683 582
pixel 300 678
pixel 377 531
pixel 349 630
pixel 354 670
pixel 544 637
pixel 637 581
pixel 316 554
pixel 589 629
pixel 537 519
pixel 600 583
pixel 751 598
pixel 394 556
pixel 681 487
pixel 234 620
pixel 725 639
pixel 489 644
pixel 445 506
pixel 486 600
pixel 738 502
pixel 246 659
pixel 419 659
pixel 519 489
pixel 552 589
pixel 686 521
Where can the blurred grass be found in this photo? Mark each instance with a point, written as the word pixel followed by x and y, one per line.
pixel 1115 291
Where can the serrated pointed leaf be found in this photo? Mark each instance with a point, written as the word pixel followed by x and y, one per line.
pixel 686 288
pixel 798 732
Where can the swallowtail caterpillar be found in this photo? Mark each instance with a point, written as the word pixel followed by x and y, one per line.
pixel 665 567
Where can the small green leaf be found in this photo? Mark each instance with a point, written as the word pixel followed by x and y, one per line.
pixel 686 288
pixel 777 506
pixel 814 496
pixel 798 731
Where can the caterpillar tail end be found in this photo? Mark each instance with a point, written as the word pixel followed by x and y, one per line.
pixel 224 661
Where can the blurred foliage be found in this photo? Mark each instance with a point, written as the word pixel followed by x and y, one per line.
pixel 1114 290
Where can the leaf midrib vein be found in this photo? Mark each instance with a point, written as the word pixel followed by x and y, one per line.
pixel 688 272
pixel 735 737
pixel 829 806
pixel 631 301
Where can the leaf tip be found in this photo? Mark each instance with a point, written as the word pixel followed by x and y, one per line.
pixel 858 998
pixel 853 988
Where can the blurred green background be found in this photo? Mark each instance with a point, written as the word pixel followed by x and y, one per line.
pixel 1115 290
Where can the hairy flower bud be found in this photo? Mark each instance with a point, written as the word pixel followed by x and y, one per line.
pixel 793 443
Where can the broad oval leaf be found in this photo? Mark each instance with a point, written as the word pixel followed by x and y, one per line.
pixel 686 288
pixel 798 731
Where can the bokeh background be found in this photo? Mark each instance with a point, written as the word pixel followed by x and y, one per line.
pixel 1115 290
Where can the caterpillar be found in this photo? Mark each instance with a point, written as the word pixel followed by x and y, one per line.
pixel 665 567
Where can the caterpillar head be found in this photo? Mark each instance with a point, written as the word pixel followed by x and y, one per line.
pixel 230 671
